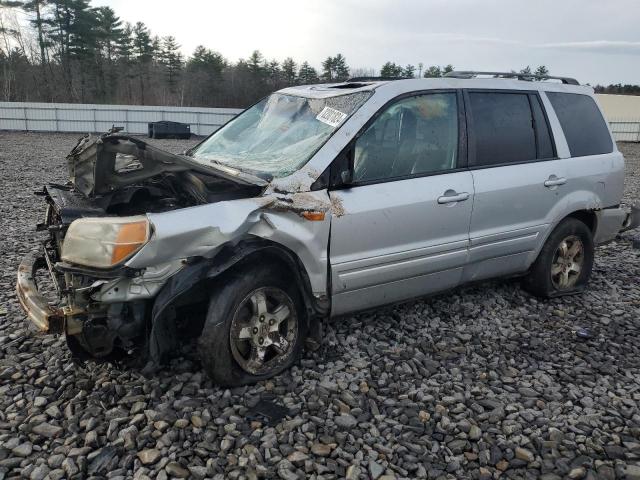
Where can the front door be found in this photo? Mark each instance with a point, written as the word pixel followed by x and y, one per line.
pixel 404 228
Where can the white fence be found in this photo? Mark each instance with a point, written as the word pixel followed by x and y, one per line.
pixel 625 131
pixel 70 117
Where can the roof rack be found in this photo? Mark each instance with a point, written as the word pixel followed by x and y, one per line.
pixel 376 79
pixel 519 76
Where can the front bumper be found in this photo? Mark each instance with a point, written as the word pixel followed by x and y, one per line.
pixel 45 317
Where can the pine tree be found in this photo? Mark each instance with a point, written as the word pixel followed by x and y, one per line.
pixel 205 73
pixel 143 55
pixel 109 31
pixel 542 71
pixel 409 71
pixel 171 59
pixel 289 68
pixel 341 68
pixel 307 74
pixel 256 64
pixel 391 70
pixel 335 69
pixel 273 73
pixel 434 71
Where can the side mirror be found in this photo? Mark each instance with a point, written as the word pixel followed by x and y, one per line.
pixel 341 172
pixel 346 177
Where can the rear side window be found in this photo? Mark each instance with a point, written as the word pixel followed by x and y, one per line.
pixel 503 128
pixel 584 128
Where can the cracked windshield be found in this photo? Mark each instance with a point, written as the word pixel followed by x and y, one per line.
pixel 279 134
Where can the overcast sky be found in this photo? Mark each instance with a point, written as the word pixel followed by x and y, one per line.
pixel 596 41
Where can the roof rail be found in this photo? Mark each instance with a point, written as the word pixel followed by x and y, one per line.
pixel 376 79
pixel 519 76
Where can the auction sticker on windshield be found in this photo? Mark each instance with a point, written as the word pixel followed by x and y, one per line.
pixel 331 116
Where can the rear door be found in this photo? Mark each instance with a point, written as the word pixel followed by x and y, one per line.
pixel 595 169
pixel 517 178
pixel 403 231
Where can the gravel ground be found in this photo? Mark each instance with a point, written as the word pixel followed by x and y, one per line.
pixel 482 382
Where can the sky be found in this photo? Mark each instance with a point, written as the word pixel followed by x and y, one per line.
pixel 595 41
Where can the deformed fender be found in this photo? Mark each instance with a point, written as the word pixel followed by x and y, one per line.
pixel 162 337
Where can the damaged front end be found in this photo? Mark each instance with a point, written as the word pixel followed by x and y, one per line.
pixel 115 182
pixel 137 228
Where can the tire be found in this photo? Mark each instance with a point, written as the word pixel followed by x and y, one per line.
pixel 237 345
pixel 564 264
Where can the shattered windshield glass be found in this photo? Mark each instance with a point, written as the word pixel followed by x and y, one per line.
pixel 279 134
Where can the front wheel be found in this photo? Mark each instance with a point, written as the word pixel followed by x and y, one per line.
pixel 254 329
pixel 564 264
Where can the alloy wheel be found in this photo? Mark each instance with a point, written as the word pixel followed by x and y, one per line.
pixel 264 330
pixel 567 263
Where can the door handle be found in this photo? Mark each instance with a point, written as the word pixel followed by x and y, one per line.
pixel 451 196
pixel 554 181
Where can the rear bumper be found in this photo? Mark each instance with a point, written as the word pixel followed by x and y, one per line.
pixel 46 318
pixel 612 221
pixel 632 219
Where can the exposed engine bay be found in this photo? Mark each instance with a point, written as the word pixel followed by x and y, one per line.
pixel 115 176
pixel 119 175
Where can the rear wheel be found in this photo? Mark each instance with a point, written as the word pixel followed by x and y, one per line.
pixel 564 264
pixel 255 328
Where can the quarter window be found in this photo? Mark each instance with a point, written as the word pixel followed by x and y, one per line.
pixel 414 136
pixel 503 128
pixel 584 128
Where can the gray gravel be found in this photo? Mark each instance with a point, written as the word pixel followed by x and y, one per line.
pixel 482 382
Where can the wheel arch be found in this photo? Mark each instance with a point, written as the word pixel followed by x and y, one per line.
pixel 587 216
pixel 200 274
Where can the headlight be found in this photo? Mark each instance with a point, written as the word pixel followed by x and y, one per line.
pixel 104 242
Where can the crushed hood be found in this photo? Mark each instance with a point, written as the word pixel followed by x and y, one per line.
pixel 99 165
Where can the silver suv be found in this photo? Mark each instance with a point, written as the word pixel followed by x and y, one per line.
pixel 320 201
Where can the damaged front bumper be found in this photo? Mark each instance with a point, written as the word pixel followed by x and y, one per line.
pixel 45 317
pixel 98 310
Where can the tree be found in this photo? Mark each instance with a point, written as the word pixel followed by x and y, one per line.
pixel 526 70
pixel 256 64
pixel 273 73
pixel 341 68
pixel 124 59
pixel 391 70
pixel 207 61
pixel 204 77
pixel 433 71
pixel 409 71
pixel 335 69
pixel 171 59
pixel 36 8
pixel 307 74
pixel 542 71
pixel 289 68
pixel 110 32
pixel 142 49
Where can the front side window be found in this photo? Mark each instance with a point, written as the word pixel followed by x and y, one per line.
pixel 584 128
pixel 416 135
pixel 503 128
pixel 279 134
